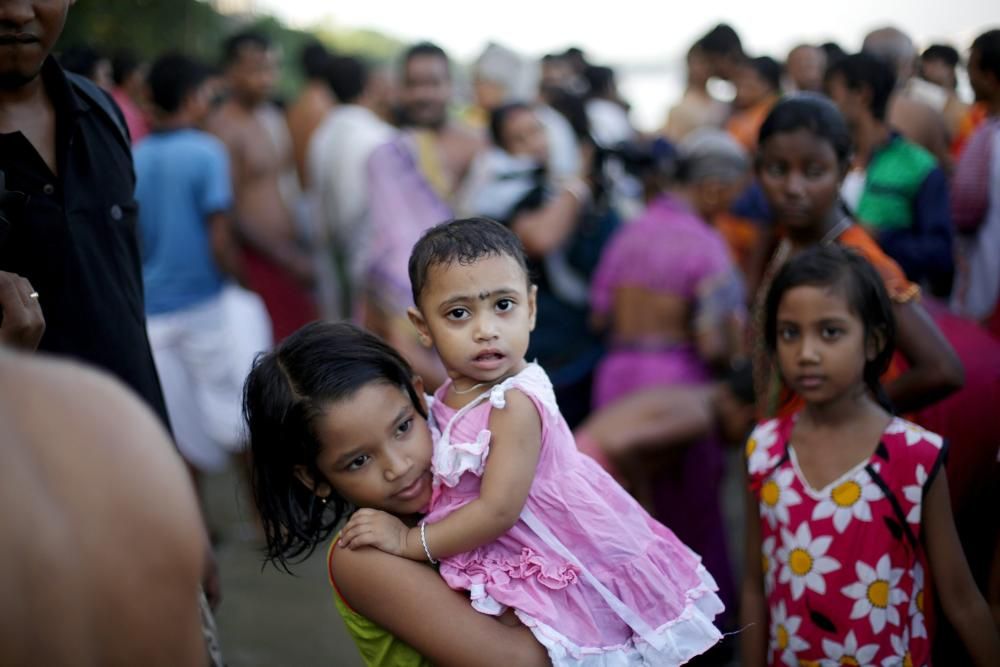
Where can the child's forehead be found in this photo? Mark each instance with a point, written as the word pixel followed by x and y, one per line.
pixel 461 271
pixel 367 409
pixel 801 140
pixel 829 299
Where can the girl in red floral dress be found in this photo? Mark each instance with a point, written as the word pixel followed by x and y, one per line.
pixel 853 520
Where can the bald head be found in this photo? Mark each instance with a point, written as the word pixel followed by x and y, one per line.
pixel 806 65
pixel 103 538
pixel 894 47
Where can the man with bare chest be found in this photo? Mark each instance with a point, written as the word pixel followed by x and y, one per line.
pixel 278 264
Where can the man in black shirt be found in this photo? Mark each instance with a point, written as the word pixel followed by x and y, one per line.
pixel 68 213
pixel 65 155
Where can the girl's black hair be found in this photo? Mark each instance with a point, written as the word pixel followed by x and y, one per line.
pixel 831 265
pixel 812 112
pixel 287 390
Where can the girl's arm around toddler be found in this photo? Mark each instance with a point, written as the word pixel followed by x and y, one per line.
pixel 411 602
pixel 507 478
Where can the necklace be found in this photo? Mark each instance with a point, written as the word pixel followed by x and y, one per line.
pixel 460 392
pixel 470 389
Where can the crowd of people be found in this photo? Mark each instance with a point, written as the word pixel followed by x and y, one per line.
pixel 286 283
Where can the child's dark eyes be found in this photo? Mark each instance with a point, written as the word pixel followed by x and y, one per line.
pixel 831 333
pixel 504 305
pixel 358 462
pixel 774 169
pixel 815 171
pixel 457 314
pixel 404 426
pixel 787 333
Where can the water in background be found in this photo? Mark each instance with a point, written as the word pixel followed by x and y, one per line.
pixel 653 90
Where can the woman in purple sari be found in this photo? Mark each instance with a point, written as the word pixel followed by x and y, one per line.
pixel 672 302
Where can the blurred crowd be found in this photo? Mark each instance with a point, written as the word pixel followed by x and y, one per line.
pixel 650 250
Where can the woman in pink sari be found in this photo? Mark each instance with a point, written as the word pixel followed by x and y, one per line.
pixel 673 304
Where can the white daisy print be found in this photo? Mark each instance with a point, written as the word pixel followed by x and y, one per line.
pixel 768 562
pixel 901 648
pixel 917 601
pixel 784 641
pixel 804 561
pixel 915 494
pixel 876 593
pixel 914 433
pixel 776 496
pixel 759 445
pixel 849 500
pixel 848 653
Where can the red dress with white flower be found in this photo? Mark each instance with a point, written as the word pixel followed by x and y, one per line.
pixel 844 566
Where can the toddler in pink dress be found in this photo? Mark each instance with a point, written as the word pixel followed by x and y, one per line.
pixel 519 517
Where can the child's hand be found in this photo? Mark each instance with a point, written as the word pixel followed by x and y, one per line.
pixel 374 528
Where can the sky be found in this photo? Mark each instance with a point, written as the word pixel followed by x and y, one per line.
pixel 644 34
pixel 629 31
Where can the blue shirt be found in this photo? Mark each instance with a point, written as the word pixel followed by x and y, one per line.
pixel 182 178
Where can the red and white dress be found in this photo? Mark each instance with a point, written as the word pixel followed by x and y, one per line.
pixel 844 566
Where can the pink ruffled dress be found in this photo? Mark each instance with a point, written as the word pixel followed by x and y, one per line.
pixel 597 580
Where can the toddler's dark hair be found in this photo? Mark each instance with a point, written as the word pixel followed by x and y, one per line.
pixel 464 241
pixel 287 390
pixel 831 265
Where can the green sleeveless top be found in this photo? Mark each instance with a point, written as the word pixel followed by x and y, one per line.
pixel 894 175
pixel 378 648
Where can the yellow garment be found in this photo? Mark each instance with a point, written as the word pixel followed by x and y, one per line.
pixel 377 646
pixel 429 163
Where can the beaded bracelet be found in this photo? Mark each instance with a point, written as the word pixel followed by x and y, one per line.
pixel 423 542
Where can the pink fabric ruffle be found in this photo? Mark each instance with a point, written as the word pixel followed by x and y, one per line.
pixel 478 567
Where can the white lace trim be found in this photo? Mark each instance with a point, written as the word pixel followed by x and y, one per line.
pixel 452 460
pixel 680 640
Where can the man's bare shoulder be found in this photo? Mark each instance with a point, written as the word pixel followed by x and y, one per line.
pixel 103 524
pixel 60 401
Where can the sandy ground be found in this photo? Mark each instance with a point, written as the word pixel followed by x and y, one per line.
pixel 270 618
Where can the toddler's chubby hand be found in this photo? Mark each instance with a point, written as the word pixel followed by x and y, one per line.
pixel 375 528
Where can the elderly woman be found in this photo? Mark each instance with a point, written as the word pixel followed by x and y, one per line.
pixel 673 304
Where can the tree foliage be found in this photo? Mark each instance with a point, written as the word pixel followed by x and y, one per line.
pixel 149 28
